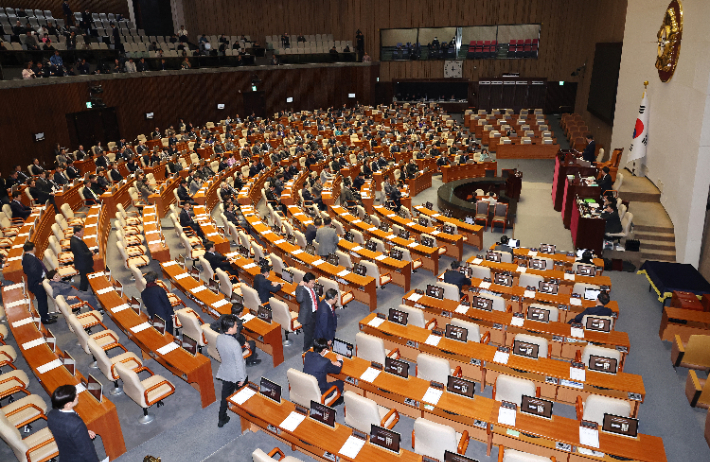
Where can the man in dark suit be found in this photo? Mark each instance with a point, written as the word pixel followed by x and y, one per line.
pixel 71 171
pixel 254 169
pixel 60 177
pixel 217 260
pixel 183 193
pixel 589 151
pixel 503 245
pixel 308 305
pixel 90 196
pixel 115 174
pixel 186 220
pixel 599 309
pixel 21 175
pixel 156 300
pixel 72 437
pixel 263 286
pixel 605 182
pixel 311 230
pixel 83 257
pixel 36 168
pixel 326 320
pixel 101 161
pixel 454 276
pixel 35 271
pixel 19 210
pixel 316 364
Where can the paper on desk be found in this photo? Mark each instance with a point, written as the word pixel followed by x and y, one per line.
pixel 569 277
pixel 33 343
pixel 280 241
pixel 105 290
pixel 247 317
pixel 357 221
pixel 375 322
pixel 522 269
pixel 181 276
pixel 433 340
pixel 576 332
pixel 242 397
pixel 436 233
pixel 22 322
pixel 463 309
pixel 343 273
pixel 390 237
pixel 49 366
pixel 374 228
pixel 414 297
pixel 411 223
pixel 292 422
pixel 170 263
pixel 219 303
pixel 250 266
pixel 163 350
pixel 432 395
pixel 575 301
pixel 198 289
pixel 14 259
pixel 352 447
pixel 515 321
pixel 577 374
pixel 507 416
pixel 13 286
pixel 500 357
pixel 140 327
pixel 529 294
pixel 357 248
pixel 588 437
pixel 477 261
pixel 380 257
pixel 80 388
pixel 23 301
pixel 119 308
pixel 370 375
pixel 296 252
pixel 484 285
pixel 95 275
pixel 154 242
pixel 318 262
pixel 532 254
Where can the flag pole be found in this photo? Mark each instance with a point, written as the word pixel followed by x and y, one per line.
pixel 645 87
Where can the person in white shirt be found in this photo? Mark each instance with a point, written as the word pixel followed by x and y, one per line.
pixel 27 72
pixel 130 66
pixel 182 34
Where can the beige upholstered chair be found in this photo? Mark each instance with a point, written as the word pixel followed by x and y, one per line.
pixel 543 347
pixel 512 389
pixel 343 297
pixel 513 455
pixel 435 368
pixel 372 348
pixel 210 337
pixel 361 413
pixel 594 408
pixel 434 439
pixel 303 388
pixel 260 456
pixel 39 446
pixel 191 326
pixel 108 365
pixel 146 392
pixel 287 319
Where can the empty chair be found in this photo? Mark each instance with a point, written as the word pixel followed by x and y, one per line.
pixel 361 413
pixel 373 271
pixel 407 256
pixel 416 317
pixel 277 263
pixel 343 297
pixel 8 355
pixel 594 408
pixel 549 262
pixel 594 350
pixel 39 446
pixel 108 365
pixel 344 259
pixel 513 455
pixel 210 338
pixel 128 261
pixel 226 284
pixel 442 250
pixel 434 439
pixel 106 339
pixel 25 410
pixel 474 330
pixel 530 280
pixel 372 348
pixel 260 456
pixel 552 317
pixel 191 326
pixel 286 318
pixel 251 297
pixel 146 392
pixel 480 272
pixel 303 388
pixel 451 291
pixel 543 349
pixel 512 389
pixel 580 287
pixel 71 217
pixel 87 320
pixel 435 368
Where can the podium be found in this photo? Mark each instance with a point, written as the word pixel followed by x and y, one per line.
pixel 567 164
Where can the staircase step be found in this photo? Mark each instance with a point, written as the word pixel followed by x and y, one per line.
pixel 653 229
pixel 652 254
pixel 654 244
pixel 650 235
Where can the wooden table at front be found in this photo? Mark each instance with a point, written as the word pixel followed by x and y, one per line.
pixel 479 416
pixel 310 437
pixel 678 321
pixel 100 418
pixel 211 233
pixel 527 151
pixel 477 362
pixel 587 231
pixel 575 188
pixel 460 172
pixel 420 183
pixel 266 336
pixel 195 370
pixel 155 241
pixel 472 233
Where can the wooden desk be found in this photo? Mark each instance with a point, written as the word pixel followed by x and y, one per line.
pixel 204 219
pixel 420 183
pixel 195 370
pixel 452 242
pixel 429 255
pixel 101 418
pixel 566 165
pixel 310 437
pixel 682 322
pixel 473 233
pixel 558 257
pixel 155 241
pixel 71 196
pixel 537 435
pixel 527 151
pixel 499 324
pixel 266 336
pixel 12 271
pixel 362 287
pixel 460 172
pixel 587 232
pixel 411 341
pixel 573 189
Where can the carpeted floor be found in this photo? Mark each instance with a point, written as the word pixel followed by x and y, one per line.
pixel 184 432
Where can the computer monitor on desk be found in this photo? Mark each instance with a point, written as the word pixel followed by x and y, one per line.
pixel 270 389
pixel 548 287
pixel 529 350
pixel 482 303
pixel 397 367
pixel 322 413
pixel 457 333
pixel 503 279
pixel 538 314
pixel 287 276
pixel 602 364
pixel 598 324
pixel 189 344
pixel 548 248
pixel 461 386
pixel 158 323
pixel 343 348
pixel 624 426
pixel 591 293
pixel 536 406
pixel 435 291
pixel 398 317
pixel 384 438
pixel 454 457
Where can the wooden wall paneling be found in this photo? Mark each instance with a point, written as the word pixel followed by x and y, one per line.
pixel 55 6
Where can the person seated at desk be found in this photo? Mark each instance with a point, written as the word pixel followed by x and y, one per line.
pixel 455 277
pixel 605 182
pixel 187 221
pixel 412 169
pixel 485 156
pixel 316 364
pixel 142 187
pixel 156 301
pixel 600 309
pixel 71 171
pixel 250 344
pixel 40 195
pixel 132 165
pixel 359 181
pixel 230 214
pixel 611 215
pixel 217 260
pixel 183 193
pixel 114 174
pixel 587 258
pixel 90 196
pixel 60 178
pixel 19 210
pixel 503 246
pixel 272 196
pixel 396 196
pixel 254 169
pixel 262 284
pixel 589 151
pixel 36 168
pixel 70 292
pixel 491 199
